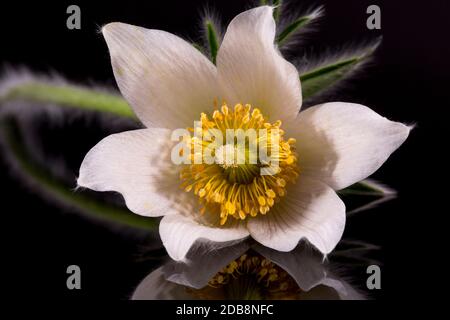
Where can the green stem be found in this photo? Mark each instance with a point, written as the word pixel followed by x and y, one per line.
pixel 367 188
pixel 213 39
pixel 70 96
pixel 58 191
pixel 292 29
pixel 328 69
pixel 329 74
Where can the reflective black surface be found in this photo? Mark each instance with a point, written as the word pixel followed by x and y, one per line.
pixel 406 82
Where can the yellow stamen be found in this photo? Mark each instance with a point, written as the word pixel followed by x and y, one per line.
pixel 230 188
pixel 270 281
pixel 262 200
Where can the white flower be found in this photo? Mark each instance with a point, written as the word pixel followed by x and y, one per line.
pixel 246 270
pixel 170 84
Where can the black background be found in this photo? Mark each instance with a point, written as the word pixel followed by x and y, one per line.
pixel 407 82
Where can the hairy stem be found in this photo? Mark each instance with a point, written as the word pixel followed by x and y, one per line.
pixel 57 191
pixel 70 96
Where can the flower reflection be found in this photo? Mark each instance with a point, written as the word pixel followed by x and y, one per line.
pixel 249 272
pixel 251 276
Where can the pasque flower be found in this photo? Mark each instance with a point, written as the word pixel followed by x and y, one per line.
pixel 170 84
pixel 246 271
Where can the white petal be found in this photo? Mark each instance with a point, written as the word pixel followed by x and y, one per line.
pixel 135 164
pixel 332 289
pixel 311 274
pixel 178 234
pixel 252 70
pixel 156 287
pixel 311 210
pixel 304 265
pixel 343 289
pixel 166 80
pixel 343 143
pixel 204 261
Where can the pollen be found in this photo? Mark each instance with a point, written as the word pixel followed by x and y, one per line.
pixel 239 178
